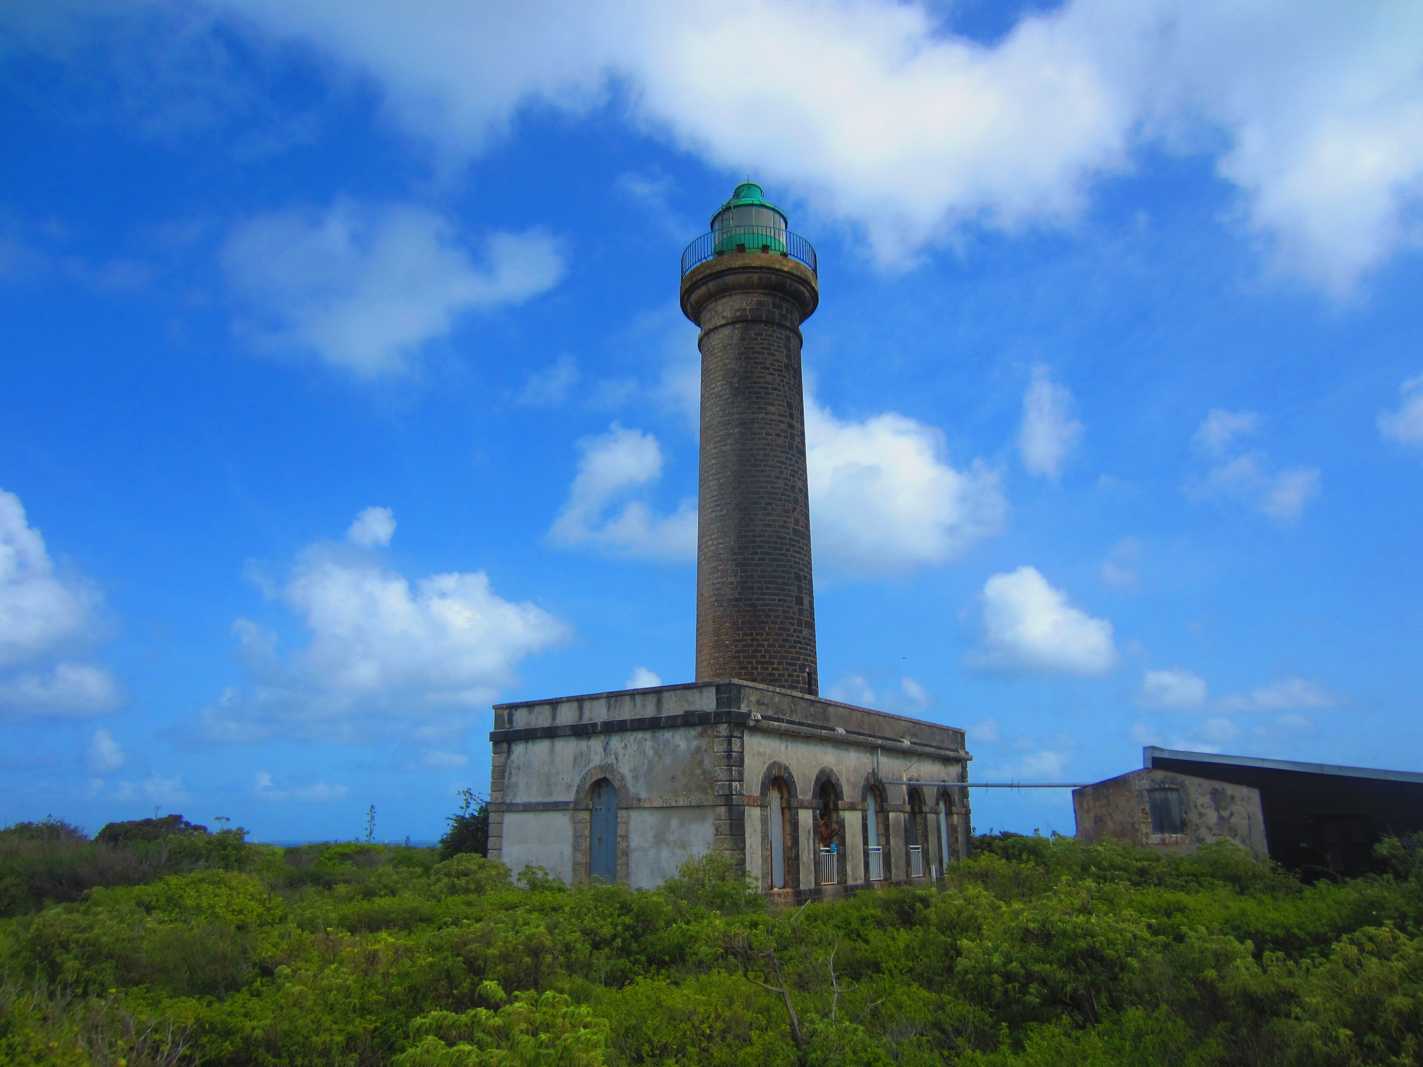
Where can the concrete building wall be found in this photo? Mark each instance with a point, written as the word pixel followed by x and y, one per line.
pixel 753 849
pixel 660 840
pixel 539 839
pixel 1118 809
pixel 666 799
pixel 690 765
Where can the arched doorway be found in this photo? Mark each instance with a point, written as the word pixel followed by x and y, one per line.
pixel 780 834
pixel 603 832
pixel 914 833
pixel 829 833
pixel 876 834
pixel 946 822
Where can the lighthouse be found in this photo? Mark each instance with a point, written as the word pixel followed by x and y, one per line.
pixel 807 796
pixel 749 283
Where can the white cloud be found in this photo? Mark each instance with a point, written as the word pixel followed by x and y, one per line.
pixel 39 610
pixel 257 643
pixel 1221 428
pixel 1194 740
pixel 1289 491
pixel 611 468
pixel 1293 722
pixel 440 760
pixel 915 694
pixel 1173 688
pixel 372 527
pixel 448 636
pixel 650 197
pixel 1119 569
pixel 986 730
pixel 1281 495
pixel 380 646
pixel 853 689
pixel 316 793
pixel 364 288
pixel 75 690
pixel 156 789
pixel 1030 626
pixel 551 386
pixel 1286 694
pixel 1181 690
pixel 883 496
pixel 1405 425
pixel 1048 432
pixel 1045 763
pixel 105 754
pixel 42 614
pixel 642 678
pixel 1249 477
pixel 1320 135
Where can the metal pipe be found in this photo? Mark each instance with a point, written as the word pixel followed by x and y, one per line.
pixel 992 785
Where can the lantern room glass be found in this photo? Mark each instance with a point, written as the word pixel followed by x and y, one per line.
pixel 746 223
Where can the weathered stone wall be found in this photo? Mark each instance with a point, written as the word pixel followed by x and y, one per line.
pixel 689 766
pixel 667 802
pixel 755 594
pixel 1117 809
pixel 854 761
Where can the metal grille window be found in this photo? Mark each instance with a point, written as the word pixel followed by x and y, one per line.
pixel 1168 814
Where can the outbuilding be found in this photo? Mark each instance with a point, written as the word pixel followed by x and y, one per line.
pixel 1315 818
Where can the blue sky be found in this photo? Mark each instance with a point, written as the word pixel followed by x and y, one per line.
pixel 343 388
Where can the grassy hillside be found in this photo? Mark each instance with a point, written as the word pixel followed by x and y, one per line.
pixel 178 946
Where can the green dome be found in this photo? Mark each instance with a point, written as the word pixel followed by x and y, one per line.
pixel 747 193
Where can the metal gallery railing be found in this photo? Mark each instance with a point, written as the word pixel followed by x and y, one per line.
pixel 829 871
pixel 770 240
pixel 874 857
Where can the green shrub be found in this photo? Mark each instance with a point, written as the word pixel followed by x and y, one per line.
pixel 135 830
pixel 532 1031
pixel 469 827
pixel 1033 951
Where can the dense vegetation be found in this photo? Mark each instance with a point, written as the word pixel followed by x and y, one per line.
pixel 190 947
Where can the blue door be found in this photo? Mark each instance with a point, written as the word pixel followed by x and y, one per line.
pixel 603 839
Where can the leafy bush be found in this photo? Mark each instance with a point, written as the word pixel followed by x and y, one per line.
pixel 469 827
pixel 53 862
pixel 134 830
pixel 202 948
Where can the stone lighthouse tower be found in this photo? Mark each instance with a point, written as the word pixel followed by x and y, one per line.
pixel 749 284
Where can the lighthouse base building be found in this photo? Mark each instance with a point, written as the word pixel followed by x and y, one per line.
pixel 810 796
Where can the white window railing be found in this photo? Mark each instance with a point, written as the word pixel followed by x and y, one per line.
pixel 874 856
pixel 916 861
pixel 829 872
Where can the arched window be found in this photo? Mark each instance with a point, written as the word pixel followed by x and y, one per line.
pixel 876 834
pixel 829 834
pixel 778 826
pixel 780 856
pixel 603 832
pixel 945 819
pixel 914 834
